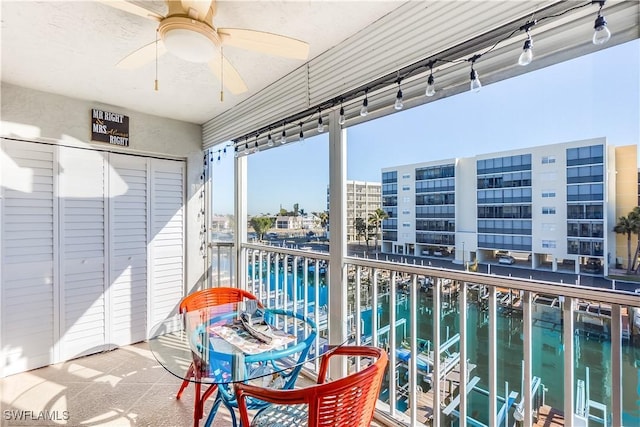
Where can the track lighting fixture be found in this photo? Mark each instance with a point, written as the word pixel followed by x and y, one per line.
pixel 283 136
pixel 364 110
pixel 601 35
pixel 320 124
pixel 301 136
pixel 398 104
pixel 269 139
pixel 341 120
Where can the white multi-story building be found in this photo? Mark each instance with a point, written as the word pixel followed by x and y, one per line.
pixel 553 204
pixel 363 198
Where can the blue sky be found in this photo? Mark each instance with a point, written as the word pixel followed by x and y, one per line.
pixel 591 96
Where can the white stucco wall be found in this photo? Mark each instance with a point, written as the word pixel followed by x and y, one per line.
pixel 40 116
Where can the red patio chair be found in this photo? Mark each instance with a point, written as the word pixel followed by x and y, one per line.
pixel 345 402
pixel 195 301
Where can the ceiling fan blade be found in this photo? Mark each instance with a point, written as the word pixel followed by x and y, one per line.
pixel 201 8
pixel 142 56
pixel 228 75
pixel 132 8
pixel 259 41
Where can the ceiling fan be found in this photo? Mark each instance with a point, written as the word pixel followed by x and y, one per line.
pixel 188 32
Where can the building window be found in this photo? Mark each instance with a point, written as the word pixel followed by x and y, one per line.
pixel 406 199
pixel 406 224
pixel 406 188
pixel 585 155
pixel 548 159
pixel 548 194
pixel 406 212
pixel 584 192
pixel 549 244
pixel 389 177
pixel 406 176
pixel 548 210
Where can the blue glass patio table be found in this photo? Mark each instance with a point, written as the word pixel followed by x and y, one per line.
pixel 212 347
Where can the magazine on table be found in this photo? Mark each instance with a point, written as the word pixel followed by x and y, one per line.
pixel 252 334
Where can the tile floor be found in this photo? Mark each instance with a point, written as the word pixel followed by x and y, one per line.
pixel 121 388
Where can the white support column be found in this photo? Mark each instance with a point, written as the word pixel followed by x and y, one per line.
pixel 567 341
pixel 240 203
pixel 337 285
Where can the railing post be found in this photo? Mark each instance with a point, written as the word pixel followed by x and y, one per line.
pixel 528 357
pixel 391 344
pixel 493 359
pixel 464 371
pixel 337 279
pixel 567 341
pixel 616 364
pixel 435 375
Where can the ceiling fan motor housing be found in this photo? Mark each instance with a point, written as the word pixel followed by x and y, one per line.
pixel 189 39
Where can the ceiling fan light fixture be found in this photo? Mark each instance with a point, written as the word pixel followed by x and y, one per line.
pixel 188 39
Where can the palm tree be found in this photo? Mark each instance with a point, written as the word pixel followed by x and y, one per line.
pixel 628 225
pixel 261 224
pixel 362 230
pixel 324 220
pixel 636 214
pixel 375 220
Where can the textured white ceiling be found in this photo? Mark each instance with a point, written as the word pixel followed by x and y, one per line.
pixel 71 48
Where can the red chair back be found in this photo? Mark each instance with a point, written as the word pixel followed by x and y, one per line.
pixel 346 402
pixel 212 297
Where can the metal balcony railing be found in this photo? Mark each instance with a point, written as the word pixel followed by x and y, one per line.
pixel 472 349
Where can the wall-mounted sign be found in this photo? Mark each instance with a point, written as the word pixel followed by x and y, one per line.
pixel 109 127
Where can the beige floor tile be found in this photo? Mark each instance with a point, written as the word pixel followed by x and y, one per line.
pixel 120 388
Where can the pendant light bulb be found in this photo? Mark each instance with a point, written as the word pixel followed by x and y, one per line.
pixel 320 124
pixel 255 145
pixel 283 137
pixel 527 53
pixel 301 136
pixel 364 110
pixel 224 152
pixel 601 35
pixel 475 84
pixel 431 86
pixel 341 120
pixel 269 140
pixel 246 147
pixel 398 104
